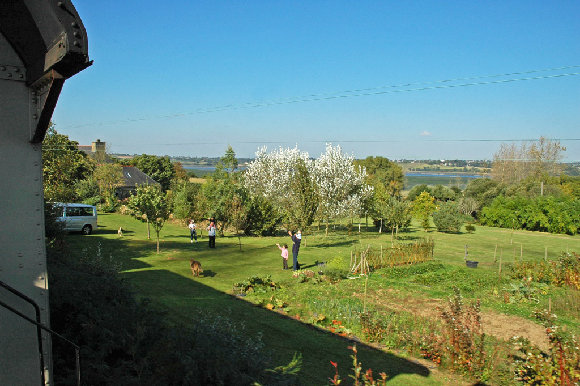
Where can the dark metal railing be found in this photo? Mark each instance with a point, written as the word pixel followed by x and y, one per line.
pixel 39 327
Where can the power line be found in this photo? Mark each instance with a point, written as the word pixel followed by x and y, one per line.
pixel 381 90
pixel 335 141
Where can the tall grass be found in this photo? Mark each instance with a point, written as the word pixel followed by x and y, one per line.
pixel 401 254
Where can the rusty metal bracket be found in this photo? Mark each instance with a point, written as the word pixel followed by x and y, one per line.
pixel 48 89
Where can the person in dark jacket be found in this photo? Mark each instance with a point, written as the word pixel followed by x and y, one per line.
pixel 296 239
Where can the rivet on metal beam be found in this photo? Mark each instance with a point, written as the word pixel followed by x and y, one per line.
pixel 74 24
pixel 34 116
pixel 16 69
pixel 2 68
pixel 77 34
pixel 76 44
pixel 61 4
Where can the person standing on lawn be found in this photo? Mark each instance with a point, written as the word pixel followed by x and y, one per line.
pixel 211 234
pixel 192 230
pixel 284 250
pixel 296 239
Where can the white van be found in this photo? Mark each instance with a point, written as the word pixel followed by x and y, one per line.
pixel 78 217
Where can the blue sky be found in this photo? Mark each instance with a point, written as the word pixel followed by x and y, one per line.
pixel 190 77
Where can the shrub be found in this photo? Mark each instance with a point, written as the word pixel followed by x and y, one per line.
pixel 448 218
pixel 547 214
pixel 559 365
pixel 256 284
pixel 470 228
pixel 564 271
pixel 464 339
pixel 263 218
pixel 54 230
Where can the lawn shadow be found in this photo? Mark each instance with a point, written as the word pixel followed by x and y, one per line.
pixel 121 251
pixel 283 335
pixel 208 273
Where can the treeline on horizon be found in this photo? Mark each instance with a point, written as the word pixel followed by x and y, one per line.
pixel 570 168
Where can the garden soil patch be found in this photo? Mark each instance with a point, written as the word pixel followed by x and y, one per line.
pixel 495 324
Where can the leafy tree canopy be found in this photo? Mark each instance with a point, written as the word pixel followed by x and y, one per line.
pixel 63 165
pixel 381 170
pixel 159 168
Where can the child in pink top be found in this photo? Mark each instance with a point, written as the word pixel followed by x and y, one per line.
pixel 284 255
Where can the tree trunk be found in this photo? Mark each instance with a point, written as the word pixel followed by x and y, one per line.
pixel 157 242
pixel 148 231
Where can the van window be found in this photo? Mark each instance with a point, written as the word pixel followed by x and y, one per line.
pixel 79 211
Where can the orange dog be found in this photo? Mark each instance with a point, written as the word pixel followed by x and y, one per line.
pixel 195 267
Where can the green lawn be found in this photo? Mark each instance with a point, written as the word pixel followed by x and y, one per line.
pixel 166 279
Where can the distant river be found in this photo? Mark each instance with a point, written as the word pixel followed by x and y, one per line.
pixel 450 175
pixel 409 174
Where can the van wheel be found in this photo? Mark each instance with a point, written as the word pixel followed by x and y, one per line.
pixel 87 229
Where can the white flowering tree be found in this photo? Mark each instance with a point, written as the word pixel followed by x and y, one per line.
pixel 330 187
pixel 341 186
pixel 284 178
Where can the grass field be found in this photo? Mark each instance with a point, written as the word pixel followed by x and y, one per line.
pixel 166 279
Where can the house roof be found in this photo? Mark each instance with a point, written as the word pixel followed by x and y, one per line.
pixel 133 177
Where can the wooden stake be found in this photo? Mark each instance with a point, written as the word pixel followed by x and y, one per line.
pixel 499 272
pixel 546 254
pixel 521 251
pixel 365 298
pixel 550 304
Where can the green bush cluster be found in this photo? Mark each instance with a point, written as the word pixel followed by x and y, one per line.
pixel 256 284
pixel 448 218
pixel 548 214
pixel 559 365
pixel 564 271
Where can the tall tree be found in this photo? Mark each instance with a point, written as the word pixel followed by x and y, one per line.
pixel 108 177
pixel 423 207
pixel 159 168
pixel 341 186
pixel 381 170
pixel 151 202
pixel 285 179
pixel 229 160
pixel 223 197
pixel 63 165
pixel 512 164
